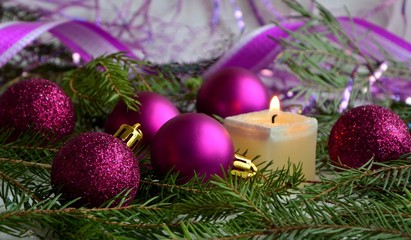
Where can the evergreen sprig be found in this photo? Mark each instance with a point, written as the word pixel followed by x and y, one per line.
pixel 17 13
pixel 358 203
pixel 325 64
pixel 99 85
pixel 372 202
pixel 355 204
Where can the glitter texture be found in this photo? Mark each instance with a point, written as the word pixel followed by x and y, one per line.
pixel 96 167
pixel 37 104
pixel 365 132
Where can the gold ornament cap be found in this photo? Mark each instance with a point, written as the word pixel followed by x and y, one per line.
pixel 131 135
pixel 243 167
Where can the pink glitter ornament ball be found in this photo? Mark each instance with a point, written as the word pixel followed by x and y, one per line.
pixel 232 91
pixel 96 167
pixel 154 111
pixel 39 105
pixel 189 143
pixel 365 132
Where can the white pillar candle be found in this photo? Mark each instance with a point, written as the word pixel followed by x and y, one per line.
pixel 291 137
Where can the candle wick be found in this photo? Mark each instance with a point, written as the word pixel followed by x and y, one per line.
pixel 273 118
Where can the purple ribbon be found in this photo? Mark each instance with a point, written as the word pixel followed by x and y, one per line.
pixel 86 39
pixel 255 51
pixel 372 39
pixel 259 50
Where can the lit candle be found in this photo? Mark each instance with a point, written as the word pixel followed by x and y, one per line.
pixel 276 136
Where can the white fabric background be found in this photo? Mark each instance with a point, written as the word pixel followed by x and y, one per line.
pixel 185 36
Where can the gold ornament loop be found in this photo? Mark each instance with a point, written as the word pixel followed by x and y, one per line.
pixel 131 135
pixel 243 167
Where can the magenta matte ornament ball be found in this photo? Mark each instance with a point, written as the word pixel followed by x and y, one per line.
pixel 189 143
pixel 39 105
pixel 155 110
pixel 96 167
pixel 365 132
pixel 232 91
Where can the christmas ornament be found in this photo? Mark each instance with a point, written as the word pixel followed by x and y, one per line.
pixel 97 167
pixel 189 143
pixel 39 105
pixel 232 91
pixel 365 132
pixel 154 111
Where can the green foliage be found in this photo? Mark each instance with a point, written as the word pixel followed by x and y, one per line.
pixel 17 13
pixel 372 202
pixel 97 87
pixel 359 203
pixel 56 60
pixel 326 65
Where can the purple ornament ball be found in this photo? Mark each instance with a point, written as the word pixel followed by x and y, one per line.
pixel 189 143
pixel 365 132
pixel 232 91
pixel 39 105
pixel 154 111
pixel 96 167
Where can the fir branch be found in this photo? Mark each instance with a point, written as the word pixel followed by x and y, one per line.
pixel 247 200
pixel 25 166
pixel 26 163
pixel 41 60
pixel 76 211
pixel 98 86
pixel 182 91
pixel 322 232
pixel 98 221
pixel 355 204
pixel 10 180
pixel 325 65
pixel 30 147
pixel 185 71
pixel 389 177
pixel 17 13
pixel 169 186
pixel 248 195
pixel 49 149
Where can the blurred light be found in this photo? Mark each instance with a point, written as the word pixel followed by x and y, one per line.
pixel 266 73
pixel 76 58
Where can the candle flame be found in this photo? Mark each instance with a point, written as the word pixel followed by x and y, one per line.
pixel 275 103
